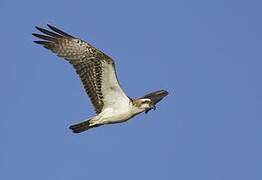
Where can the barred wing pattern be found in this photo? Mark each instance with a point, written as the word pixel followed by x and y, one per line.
pixel 96 69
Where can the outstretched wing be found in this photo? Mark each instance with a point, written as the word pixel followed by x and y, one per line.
pixel 156 96
pixel 96 69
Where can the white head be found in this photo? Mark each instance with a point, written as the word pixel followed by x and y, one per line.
pixel 143 104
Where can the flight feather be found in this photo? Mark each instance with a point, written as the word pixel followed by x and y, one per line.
pixel 95 69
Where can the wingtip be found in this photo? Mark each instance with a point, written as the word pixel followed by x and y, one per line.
pixel 39 42
pixel 46 44
pixel 38 28
pixel 59 31
pixel 164 92
pixel 50 26
pixel 34 34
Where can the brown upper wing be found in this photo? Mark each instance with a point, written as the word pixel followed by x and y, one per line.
pixel 156 96
pixel 89 63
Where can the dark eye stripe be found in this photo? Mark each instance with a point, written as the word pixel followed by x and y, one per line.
pixel 145 102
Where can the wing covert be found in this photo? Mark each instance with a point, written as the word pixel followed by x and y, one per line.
pixel 95 69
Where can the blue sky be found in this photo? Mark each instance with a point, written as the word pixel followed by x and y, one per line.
pixel 207 54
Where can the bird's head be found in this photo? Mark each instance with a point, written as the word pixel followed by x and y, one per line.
pixel 144 104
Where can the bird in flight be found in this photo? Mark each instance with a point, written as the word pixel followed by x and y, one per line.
pixel 98 75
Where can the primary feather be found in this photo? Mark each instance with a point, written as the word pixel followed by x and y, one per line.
pixel 95 69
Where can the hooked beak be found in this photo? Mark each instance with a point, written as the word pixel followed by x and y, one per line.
pixel 153 107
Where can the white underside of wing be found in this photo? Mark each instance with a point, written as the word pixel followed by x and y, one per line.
pixel 117 106
pixel 114 96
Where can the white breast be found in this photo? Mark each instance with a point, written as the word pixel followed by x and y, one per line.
pixel 116 113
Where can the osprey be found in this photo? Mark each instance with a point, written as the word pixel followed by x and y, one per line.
pixel 97 73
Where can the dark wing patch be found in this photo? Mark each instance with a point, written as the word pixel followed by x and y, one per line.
pixel 90 73
pixel 86 59
pixel 156 96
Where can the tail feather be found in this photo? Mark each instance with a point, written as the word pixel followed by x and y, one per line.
pixel 82 126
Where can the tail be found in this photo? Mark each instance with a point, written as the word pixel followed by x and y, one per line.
pixel 82 126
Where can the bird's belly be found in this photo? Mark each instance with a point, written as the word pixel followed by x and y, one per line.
pixel 115 117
